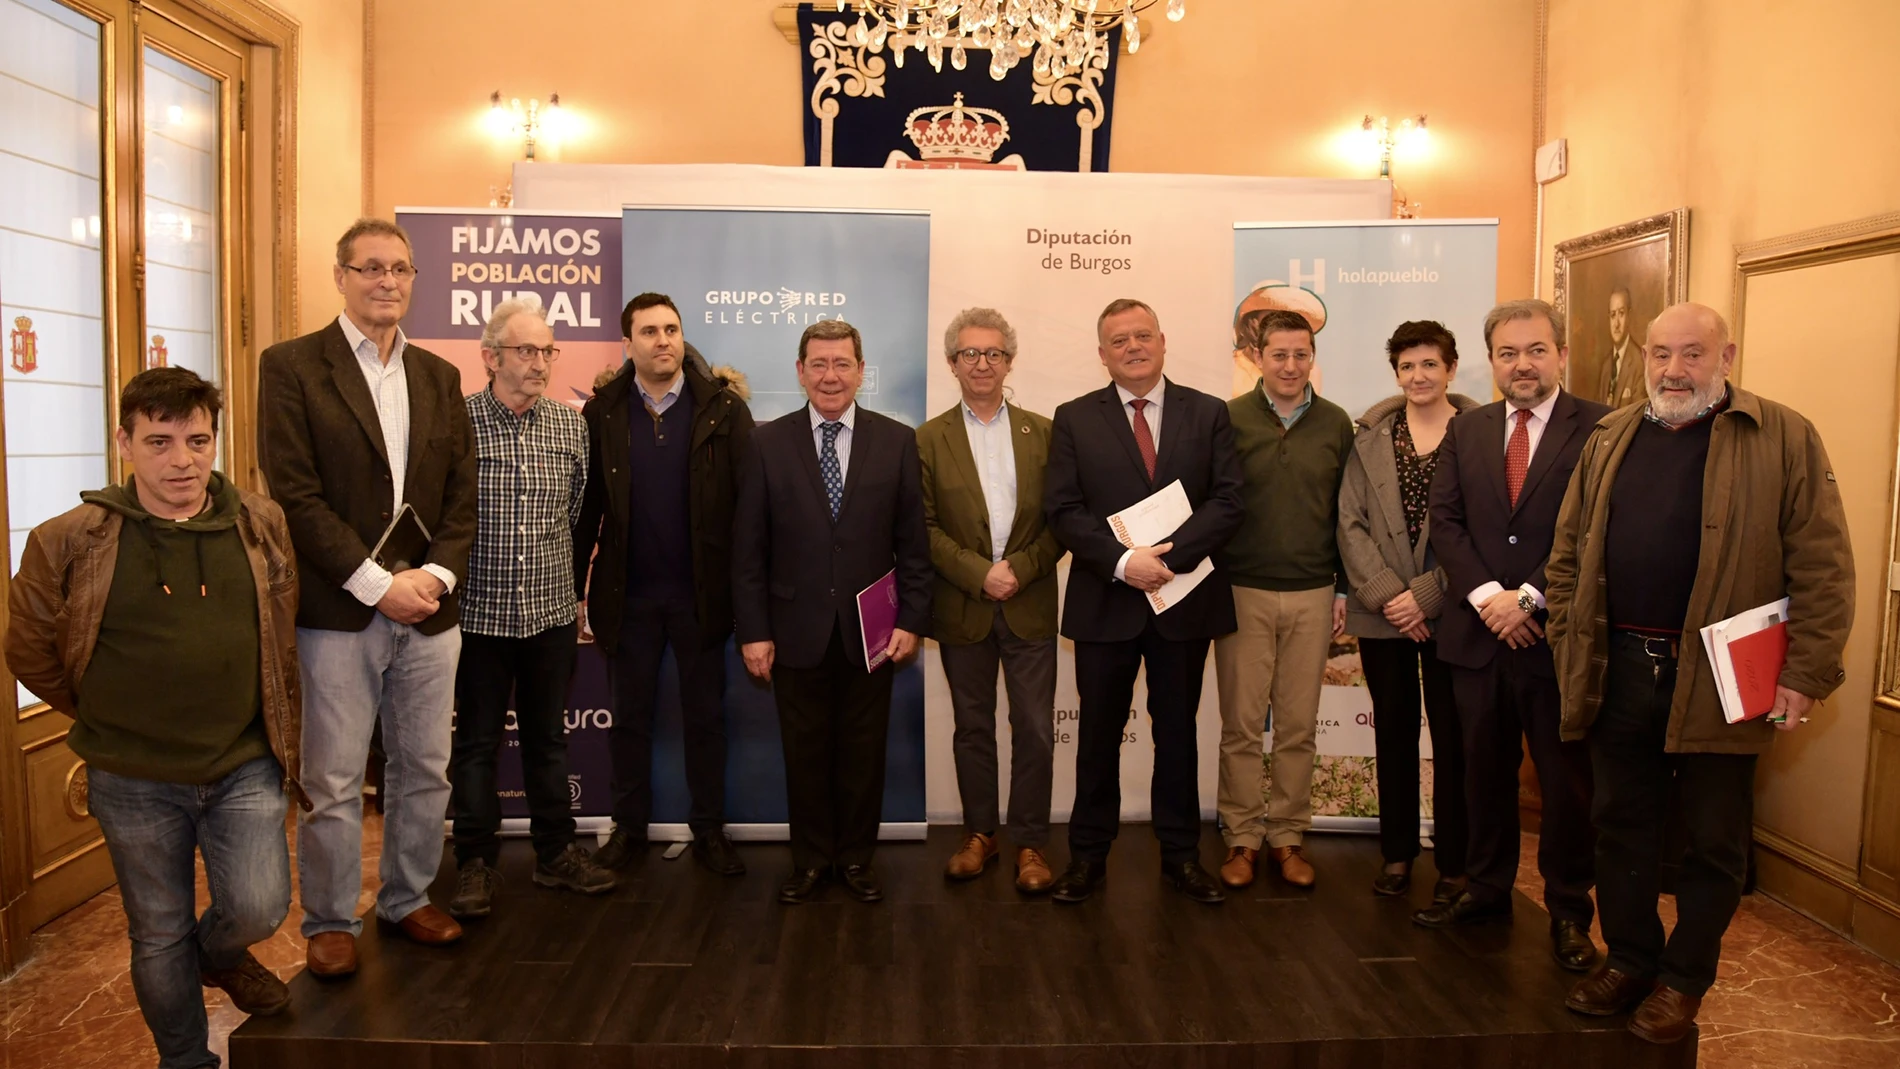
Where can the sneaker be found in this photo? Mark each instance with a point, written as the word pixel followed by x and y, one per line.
pixel 574 869
pixel 253 988
pixel 475 888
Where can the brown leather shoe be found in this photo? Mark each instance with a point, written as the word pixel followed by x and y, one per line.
pixel 968 863
pixel 1294 869
pixel 1666 1016
pixel 330 955
pixel 430 927
pixel 1033 875
pixel 1607 992
pixel 1237 870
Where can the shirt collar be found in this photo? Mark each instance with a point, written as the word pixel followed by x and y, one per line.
pixel 849 419
pixel 1542 412
pixel 504 411
pixel 679 380
pixel 358 339
pixel 1001 416
pixel 1153 398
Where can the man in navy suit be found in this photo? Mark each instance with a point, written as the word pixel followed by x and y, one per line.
pixel 1109 450
pixel 831 500
pixel 1502 472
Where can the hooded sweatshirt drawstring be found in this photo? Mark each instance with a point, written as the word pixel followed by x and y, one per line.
pixel 158 563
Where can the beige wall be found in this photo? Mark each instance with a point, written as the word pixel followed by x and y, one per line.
pixel 329 147
pixel 1764 118
pixel 1234 89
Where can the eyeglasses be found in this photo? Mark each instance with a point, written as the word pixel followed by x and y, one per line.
pixel 969 357
pixel 376 272
pixel 528 353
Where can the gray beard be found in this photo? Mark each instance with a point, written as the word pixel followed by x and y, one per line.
pixel 1673 411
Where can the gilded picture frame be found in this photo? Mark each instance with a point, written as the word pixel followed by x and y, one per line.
pixel 1608 285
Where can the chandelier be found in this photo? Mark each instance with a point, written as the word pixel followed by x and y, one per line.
pixel 1059 37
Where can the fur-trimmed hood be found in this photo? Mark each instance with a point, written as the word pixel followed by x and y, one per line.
pixel 722 376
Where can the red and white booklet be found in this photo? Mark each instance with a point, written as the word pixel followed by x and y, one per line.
pixel 1746 653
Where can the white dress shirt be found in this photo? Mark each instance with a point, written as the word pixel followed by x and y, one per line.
pixel 389 391
pixel 995 454
pixel 1540 418
pixel 849 418
pixel 1151 413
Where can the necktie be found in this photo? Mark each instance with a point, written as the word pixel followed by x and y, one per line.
pixel 1144 438
pixel 1517 455
pixel 828 465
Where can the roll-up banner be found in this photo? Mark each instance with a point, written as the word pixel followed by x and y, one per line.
pixel 1357 281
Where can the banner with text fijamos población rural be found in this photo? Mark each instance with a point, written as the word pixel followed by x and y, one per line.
pixel 747 283
pixel 468 261
pixel 1356 282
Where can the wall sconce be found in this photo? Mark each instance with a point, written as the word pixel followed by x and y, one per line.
pixel 534 122
pixel 1412 134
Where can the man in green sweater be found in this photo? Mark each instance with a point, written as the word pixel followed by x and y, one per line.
pixel 1288 598
pixel 159 615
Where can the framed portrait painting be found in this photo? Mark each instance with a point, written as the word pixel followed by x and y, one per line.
pixel 1609 285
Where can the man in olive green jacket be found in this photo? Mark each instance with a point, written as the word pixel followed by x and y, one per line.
pixel 1730 505
pixel 995 599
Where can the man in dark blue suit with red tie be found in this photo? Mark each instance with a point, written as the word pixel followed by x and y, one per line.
pixel 1109 450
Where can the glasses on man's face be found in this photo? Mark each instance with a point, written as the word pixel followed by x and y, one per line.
pixel 529 353
pixel 375 272
pixel 969 357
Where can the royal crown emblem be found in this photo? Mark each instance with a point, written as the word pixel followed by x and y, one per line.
pixel 156 355
pixel 956 136
pixel 25 345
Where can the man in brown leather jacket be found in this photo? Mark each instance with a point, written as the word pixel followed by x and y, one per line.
pixel 160 616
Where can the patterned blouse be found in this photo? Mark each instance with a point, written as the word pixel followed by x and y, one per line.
pixel 1415 476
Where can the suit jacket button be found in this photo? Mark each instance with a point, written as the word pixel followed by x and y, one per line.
pixel 1513 540
pixel 385 515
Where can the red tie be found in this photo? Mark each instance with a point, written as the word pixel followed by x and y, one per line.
pixel 1145 439
pixel 1517 455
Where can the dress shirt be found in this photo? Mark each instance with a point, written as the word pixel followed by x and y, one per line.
pixel 533 473
pixel 1540 418
pixel 1152 413
pixel 844 436
pixel 1306 402
pixel 389 390
pixel 995 454
pixel 659 405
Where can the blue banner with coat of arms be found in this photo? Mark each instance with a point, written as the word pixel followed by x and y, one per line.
pixel 864 109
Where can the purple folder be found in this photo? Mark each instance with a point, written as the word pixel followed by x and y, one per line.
pixel 877 618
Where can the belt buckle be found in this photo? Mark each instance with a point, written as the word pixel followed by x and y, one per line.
pixel 1659 647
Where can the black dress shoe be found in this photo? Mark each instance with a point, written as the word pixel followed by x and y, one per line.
pixel 620 848
pixel 1444 890
pixel 862 882
pixel 1189 878
pixel 716 852
pixel 1570 944
pixel 1392 884
pixel 1079 880
pixel 801 886
pixel 1462 909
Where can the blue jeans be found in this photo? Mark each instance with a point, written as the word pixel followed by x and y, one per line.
pixel 151 831
pixel 350 678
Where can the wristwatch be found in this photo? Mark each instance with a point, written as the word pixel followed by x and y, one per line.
pixel 1526 603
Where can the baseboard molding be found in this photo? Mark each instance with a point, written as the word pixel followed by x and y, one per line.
pixel 1828 892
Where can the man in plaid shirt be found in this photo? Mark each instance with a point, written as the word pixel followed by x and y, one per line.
pixel 518 612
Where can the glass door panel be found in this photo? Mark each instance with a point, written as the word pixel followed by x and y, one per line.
pixel 52 264
pixel 183 281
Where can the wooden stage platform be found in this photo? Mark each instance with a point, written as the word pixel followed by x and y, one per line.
pixel 679 967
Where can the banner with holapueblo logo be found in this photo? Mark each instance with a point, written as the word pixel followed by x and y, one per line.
pixel 747 283
pixel 1355 282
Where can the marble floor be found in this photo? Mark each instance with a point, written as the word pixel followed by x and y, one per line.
pixel 1792 995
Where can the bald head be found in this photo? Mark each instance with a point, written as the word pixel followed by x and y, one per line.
pixel 1687 358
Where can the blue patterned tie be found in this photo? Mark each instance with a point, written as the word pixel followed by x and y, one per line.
pixel 828 465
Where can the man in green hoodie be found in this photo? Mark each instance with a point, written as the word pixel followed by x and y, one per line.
pixel 159 615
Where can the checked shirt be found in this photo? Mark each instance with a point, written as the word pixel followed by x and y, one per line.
pixel 533 470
